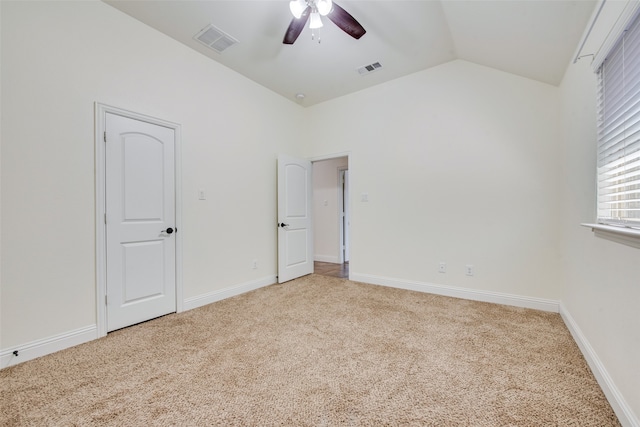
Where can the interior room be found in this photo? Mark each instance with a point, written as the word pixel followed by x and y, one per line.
pixel 478 157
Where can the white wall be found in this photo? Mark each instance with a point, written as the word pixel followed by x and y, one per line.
pixel 0 179
pixel 326 229
pixel 461 165
pixel 601 288
pixel 58 58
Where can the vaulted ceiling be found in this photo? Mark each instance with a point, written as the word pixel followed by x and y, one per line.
pixel 535 39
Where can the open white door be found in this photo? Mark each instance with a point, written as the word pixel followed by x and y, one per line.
pixel 295 237
pixel 140 221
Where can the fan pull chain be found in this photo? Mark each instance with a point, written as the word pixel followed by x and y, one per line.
pixel 313 34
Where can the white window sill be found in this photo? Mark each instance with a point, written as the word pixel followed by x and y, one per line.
pixel 623 235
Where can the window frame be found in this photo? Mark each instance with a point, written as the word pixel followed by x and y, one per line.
pixel 625 231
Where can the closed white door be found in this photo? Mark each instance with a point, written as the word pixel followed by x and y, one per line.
pixel 295 237
pixel 140 221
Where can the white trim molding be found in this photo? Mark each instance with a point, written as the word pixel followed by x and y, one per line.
pixel 464 293
pixel 46 346
pixel 43 347
pixel 619 234
pixel 616 400
pixel 232 291
pixel 331 157
pixel 624 19
pixel 327 258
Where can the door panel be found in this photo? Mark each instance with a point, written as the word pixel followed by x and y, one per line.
pixel 143 271
pixel 143 180
pixel 140 206
pixel 296 178
pixel 297 241
pixel 295 238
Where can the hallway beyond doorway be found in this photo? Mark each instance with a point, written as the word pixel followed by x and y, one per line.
pixel 331 269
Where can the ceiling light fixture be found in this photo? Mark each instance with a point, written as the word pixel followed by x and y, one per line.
pixel 315 21
pixel 318 8
pixel 312 11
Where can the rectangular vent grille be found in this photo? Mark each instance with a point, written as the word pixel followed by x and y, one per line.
pixel 214 38
pixel 366 69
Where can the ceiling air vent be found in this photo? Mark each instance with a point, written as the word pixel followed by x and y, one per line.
pixel 369 68
pixel 214 38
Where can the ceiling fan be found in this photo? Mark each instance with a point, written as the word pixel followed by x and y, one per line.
pixel 311 10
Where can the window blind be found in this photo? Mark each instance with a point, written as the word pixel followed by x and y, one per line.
pixel 619 132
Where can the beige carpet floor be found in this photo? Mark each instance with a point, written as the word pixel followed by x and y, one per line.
pixel 317 351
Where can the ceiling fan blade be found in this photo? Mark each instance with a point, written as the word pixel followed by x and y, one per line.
pixel 296 27
pixel 346 22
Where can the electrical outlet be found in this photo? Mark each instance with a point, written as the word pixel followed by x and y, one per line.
pixel 254 264
pixel 469 269
pixel 442 267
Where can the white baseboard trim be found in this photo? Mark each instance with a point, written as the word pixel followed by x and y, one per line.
pixel 616 400
pixel 46 346
pixel 326 258
pixel 219 295
pixel 38 348
pixel 464 293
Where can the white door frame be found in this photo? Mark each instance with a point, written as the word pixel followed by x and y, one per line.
pixel 343 210
pixel 346 154
pixel 100 111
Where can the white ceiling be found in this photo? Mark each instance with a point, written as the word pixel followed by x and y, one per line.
pixel 530 38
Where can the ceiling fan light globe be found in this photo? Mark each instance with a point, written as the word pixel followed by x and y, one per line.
pixel 315 21
pixel 296 7
pixel 324 7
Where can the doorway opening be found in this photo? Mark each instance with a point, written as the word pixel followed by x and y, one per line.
pixel 331 219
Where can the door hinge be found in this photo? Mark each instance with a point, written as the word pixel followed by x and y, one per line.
pixel 105 136
pixel 105 300
pixel 105 218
